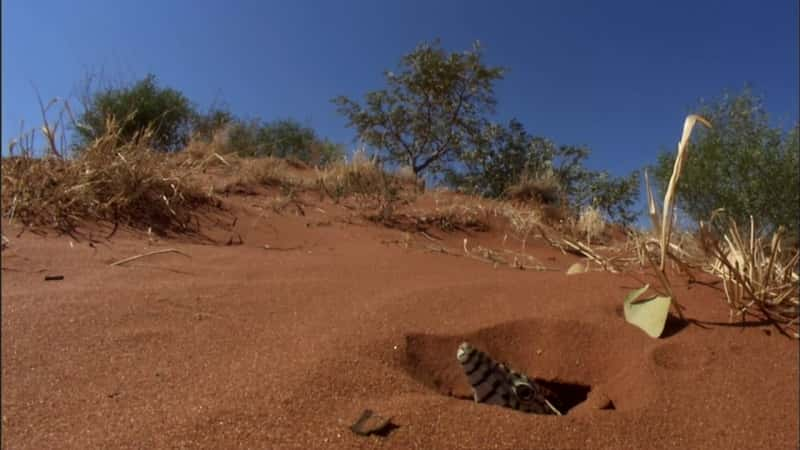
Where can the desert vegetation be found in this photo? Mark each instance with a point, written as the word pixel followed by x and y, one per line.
pixel 138 155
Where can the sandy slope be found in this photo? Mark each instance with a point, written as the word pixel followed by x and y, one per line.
pixel 242 347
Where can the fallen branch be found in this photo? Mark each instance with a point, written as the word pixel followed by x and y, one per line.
pixel 282 249
pixel 156 252
pixel 589 253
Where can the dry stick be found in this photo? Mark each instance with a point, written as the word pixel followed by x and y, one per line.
pixel 429 237
pixel 589 253
pixel 155 252
pixel 669 198
pixel 282 249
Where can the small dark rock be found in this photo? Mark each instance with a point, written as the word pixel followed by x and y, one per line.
pixel 371 423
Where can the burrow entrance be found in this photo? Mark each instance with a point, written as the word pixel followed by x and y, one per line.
pixel 567 358
pixel 562 395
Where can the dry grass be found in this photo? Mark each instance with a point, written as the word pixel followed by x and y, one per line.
pixel 522 220
pixel 685 250
pixel 665 226
pixel 759 276
pixel 271 172
pixel 455 213
pixel 590 223
pixel 125 183
pixel 542 190
pixel 662 225
pixel 199 154
pixel 365 181
pixel 408 180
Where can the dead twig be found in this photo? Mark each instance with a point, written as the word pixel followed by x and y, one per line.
pixel 282 249
pixel 155 252
pixel 586 251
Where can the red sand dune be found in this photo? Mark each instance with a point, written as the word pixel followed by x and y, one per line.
pixel 238 346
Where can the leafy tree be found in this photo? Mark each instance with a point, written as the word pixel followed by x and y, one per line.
pixel 506 157
pixel 742 164
pixel 135 108
pixel 432 111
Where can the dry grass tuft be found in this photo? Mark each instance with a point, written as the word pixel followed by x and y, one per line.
pixel 522 220
pixel 200 154
pixel 457 216
pixel 591 223
pixel 760 278
pixel 361 178
pixel 542 190
pixel 125 183
pixel 268 171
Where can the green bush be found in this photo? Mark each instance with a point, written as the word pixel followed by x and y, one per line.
pixel 141 105
pixel 742 164
pixel 204 126
pixel 282 139
pixel 508 162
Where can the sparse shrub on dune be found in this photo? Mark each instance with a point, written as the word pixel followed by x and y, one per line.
pixel 281 139
pixel 165 112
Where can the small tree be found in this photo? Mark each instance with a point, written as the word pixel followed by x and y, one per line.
pixel 741 164
pixel 143 104
pixel 508 157
pixel 432 111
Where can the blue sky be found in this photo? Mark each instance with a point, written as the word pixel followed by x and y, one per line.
pixel 618 77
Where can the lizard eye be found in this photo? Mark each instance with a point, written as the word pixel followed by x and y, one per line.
pixel 523 391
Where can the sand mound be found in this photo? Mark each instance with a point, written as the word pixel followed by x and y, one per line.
pixel 575 360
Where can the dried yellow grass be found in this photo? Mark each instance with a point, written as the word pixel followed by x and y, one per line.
pixel 760 277
pixel 590 223
pixel 120 181
pixel 662 225
pixel 363 179
pixel 522 220
pixel 543 189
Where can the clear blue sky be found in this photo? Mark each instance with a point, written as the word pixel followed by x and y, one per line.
pixel 618 77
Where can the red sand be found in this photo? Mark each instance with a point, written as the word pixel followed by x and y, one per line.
pixel 242 347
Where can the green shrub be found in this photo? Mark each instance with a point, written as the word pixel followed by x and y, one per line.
pixel 205 126
pixel 282 139
pixel 144 104
pixel 508 162
pixel 742 164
